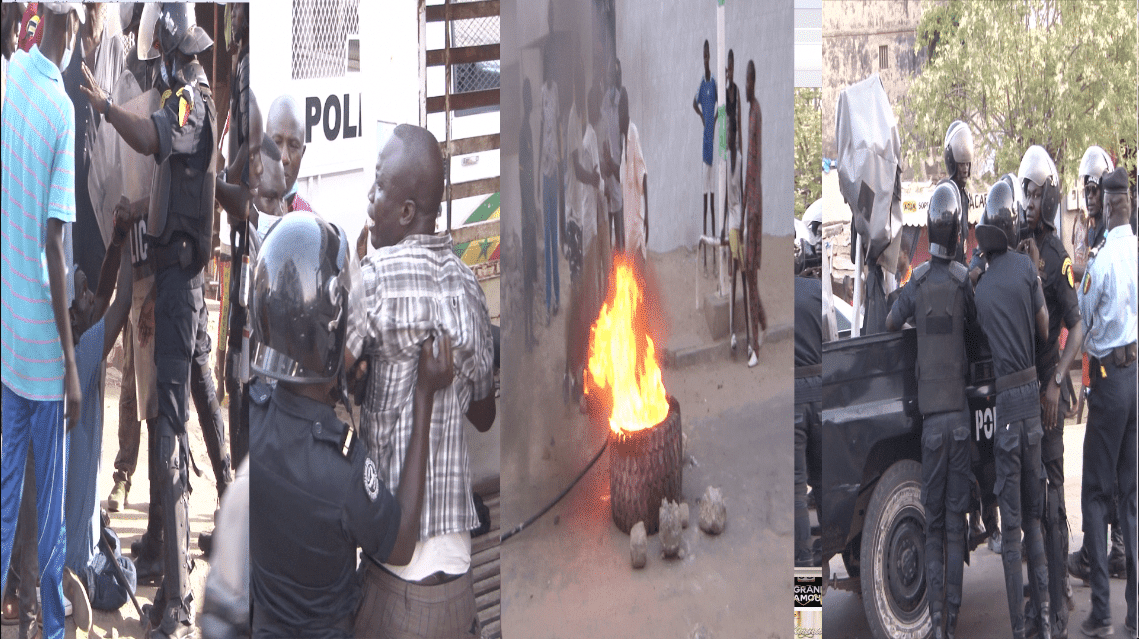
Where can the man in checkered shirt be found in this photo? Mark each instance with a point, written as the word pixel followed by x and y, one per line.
pixel 415 286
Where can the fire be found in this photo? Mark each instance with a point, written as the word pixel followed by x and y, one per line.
pixel 622 358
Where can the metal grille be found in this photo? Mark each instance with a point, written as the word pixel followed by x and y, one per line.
pixel 320 37
pixel 479 75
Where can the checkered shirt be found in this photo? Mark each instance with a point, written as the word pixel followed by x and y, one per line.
pixel 410 290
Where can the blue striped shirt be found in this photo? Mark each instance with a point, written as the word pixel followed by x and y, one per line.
pixel 1108 294
pixel 38 165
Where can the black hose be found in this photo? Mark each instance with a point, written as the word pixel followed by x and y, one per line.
pixel 545 509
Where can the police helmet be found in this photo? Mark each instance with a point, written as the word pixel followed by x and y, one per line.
pixel 299 307
pixel 999 225
pixel 177 29
pixel 1095 164
pixel 1037 167
pixel 958 147
pixel 943 221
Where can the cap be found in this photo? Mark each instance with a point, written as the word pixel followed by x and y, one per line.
pixel 1116 181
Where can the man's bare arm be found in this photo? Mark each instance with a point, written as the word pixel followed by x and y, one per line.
pixel 57 280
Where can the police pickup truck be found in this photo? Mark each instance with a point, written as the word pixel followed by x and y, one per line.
pixel 868 464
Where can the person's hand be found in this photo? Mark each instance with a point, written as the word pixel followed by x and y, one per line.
pixel 357 379
pixel 146 322
pixel 1050 403
pixel 126 215
pixel 94 92
pixel 1028 247
pixel 72 396
pixel 436 370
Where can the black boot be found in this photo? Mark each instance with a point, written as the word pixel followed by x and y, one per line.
pixel 938 626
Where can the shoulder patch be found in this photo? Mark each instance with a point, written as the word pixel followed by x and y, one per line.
pixel 185 105
pixel 1087 281
pixel 1066 270
pixel 165 96
pixel 371 479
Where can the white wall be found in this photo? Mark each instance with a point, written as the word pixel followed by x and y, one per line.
pixel 335 176
pixel 660 45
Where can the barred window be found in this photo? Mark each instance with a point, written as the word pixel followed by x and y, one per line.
pixel 476 76
pixel 325 38
pixel 883 57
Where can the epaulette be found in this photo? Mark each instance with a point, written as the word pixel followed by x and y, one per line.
pixel 920 272
pixel 958 272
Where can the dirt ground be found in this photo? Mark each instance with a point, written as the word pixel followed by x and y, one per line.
pixel 130 522
pixel 569 574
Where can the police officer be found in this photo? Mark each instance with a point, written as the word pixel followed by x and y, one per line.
pixel 808 401
pixel 1107 297
pixel 318 497
pixel 958 153
pixel 181 136
pixel 1093 167
pixel 939 300
pixel 1042 196
pixel 1013 315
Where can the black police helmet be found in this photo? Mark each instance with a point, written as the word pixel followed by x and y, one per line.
pixel 301 283
pixel 178 30
pixel 999 224
pixel 943 221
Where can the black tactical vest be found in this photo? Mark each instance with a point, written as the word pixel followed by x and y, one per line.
pixel 939 316
pixel 184 185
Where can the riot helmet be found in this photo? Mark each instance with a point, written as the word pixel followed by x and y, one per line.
pixel 958 149
pixel 178 30
pixel 999 225
pixel 1094 166
pixel 943 221
pixel 301 285
pixel 1037 167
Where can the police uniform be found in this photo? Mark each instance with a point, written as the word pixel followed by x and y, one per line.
pixel 939 299
pixel 808 401
pixel 1063 309
pixel 1107 298
pixel 318 498
pixel 181 215
pixel 1007 299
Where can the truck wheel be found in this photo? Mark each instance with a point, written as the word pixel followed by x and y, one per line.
pixel 893 556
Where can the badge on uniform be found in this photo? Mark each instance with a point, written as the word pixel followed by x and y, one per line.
pixel 1066 269
pixel 185 106
pixel 371 479
pixel 1087 282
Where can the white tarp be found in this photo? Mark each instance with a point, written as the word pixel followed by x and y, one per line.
pixel 869 155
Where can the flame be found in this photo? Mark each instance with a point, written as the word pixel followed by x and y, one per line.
pixel 622 358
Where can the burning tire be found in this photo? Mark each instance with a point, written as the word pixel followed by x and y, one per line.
pixel 893 556
pixel 644 467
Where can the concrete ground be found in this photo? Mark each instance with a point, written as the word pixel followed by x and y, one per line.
pixel 984 605
pixel 569 574
pixel 130 523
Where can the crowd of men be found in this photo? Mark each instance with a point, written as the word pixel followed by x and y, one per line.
pixel 404 328
pixel 1018 291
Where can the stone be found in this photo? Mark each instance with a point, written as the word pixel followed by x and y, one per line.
pixel 713 511
pixel 670 520
pixel 638 545
pixel 684 515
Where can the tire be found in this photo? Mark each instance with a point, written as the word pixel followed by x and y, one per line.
pixel 645 467
pixel 893 556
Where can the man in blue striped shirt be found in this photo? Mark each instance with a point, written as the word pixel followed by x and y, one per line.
pixel 41 380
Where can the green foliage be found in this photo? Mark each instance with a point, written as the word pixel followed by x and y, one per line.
pixel 808 148
pixel 1058 73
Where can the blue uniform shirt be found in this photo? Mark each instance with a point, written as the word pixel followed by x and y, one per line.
pixel 1108 294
